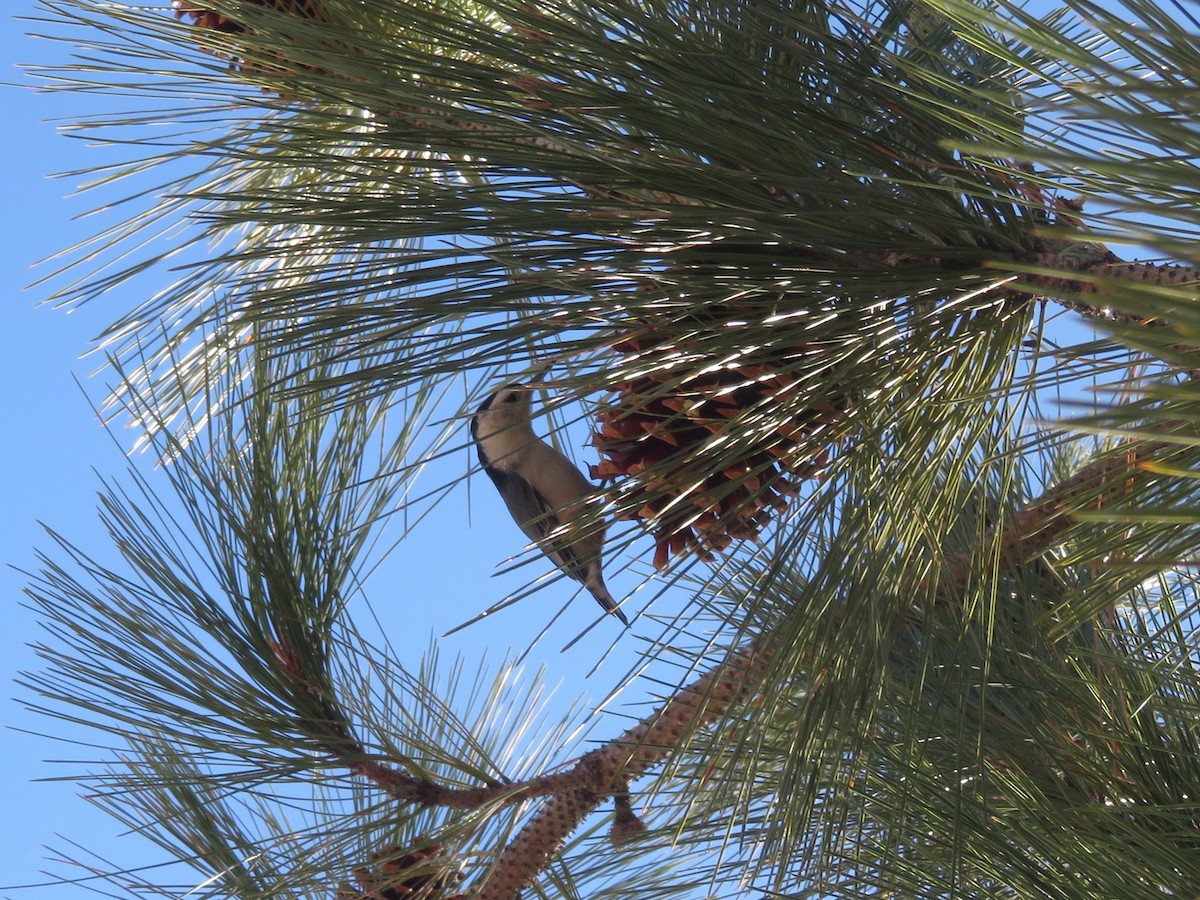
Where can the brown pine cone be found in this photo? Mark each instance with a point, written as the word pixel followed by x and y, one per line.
pixel 203 17
pixel 391 876
pixel 206 18
pixel 664 434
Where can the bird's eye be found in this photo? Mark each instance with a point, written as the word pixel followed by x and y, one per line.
pixel 510 398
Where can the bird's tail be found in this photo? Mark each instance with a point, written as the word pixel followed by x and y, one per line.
pixel 604 598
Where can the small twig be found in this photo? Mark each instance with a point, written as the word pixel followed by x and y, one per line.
pixel 426 792
pixel 335 735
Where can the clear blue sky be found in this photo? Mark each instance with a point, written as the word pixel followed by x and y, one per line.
pixel 50 443
pixel 53 448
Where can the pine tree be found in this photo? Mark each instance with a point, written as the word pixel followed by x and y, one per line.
pixel 807 271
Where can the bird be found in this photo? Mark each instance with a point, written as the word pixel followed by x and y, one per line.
pixel 543 490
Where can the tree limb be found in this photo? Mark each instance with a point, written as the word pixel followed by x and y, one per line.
pixel 606 769
pixel 1041 522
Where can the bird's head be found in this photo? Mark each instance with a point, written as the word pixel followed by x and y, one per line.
pixel 501 426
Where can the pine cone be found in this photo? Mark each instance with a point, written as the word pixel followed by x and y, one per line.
pixel 206 18
pixel 663 440
pixel 626 824
pixel 391 876
pixel 203 17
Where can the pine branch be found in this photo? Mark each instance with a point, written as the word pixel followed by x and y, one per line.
pixel 1040 523
pixel 1091 269
pixel 1108 265
pixel 426 792
pixel 609 769
pixel 574 793
pixel 821 217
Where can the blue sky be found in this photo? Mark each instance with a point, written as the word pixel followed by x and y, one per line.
pixel 52 441
pixel 56 449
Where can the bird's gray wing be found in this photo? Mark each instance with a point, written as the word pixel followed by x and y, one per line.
pixel 539 520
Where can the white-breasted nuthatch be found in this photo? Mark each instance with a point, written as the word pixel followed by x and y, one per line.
pixel 542 489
